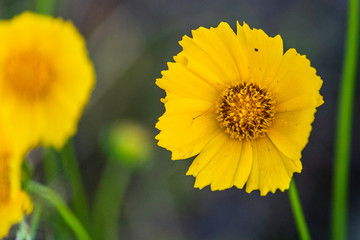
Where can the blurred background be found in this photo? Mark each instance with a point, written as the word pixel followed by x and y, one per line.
pixel 130 43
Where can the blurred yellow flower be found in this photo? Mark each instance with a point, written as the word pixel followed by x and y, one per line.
pixel 13 201
pixel 240 104
pixel 46 78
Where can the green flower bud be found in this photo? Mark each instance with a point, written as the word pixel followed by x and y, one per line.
pixel 128 143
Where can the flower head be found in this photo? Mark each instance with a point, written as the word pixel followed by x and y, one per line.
pixel 13 201
pixel 241 105
pixel 46 78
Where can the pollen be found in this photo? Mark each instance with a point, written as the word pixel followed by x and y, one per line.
pixel 29 75
pixel 245 111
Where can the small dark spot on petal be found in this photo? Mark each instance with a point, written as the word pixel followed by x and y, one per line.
pixel 256 49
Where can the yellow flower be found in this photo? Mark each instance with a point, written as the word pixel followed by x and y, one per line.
pixel 240 104
pixel 46 78
pixel 13 201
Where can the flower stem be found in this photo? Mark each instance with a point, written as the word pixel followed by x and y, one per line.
pixel 35 221
pixel 108 200
pixel 49 195
pixel 51 165
pixel 298 212
pixel 344 123
pixel 79 201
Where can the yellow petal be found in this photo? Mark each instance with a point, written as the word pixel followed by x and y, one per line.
pixel 223 163
pixel 273 174
pixel 290 131
pixel 265 54
pixel 253 183
pixel 18 126
pixel 12 212
pixel 295 78
pixel 215 48
pixel 201 64
pixel 175 105
pixel 186 135
pixel 237 52
pixel 199 68
pixel 245 164
pixel 217 171
pixel 309 100
pixel 13 201
pixel 178 80
pixel 228 165
pixel 291 165
pixel 207 154
pixel 287 146
pixel 59 122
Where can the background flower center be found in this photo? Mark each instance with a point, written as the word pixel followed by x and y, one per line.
pixel 29 74
pixel 245 111
pixel 4 178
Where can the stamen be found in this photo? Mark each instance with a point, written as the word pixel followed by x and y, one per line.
pixel 245 110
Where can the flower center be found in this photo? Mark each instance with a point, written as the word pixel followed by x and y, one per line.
pixel 245 111
pixel 4 178
pixel 29 75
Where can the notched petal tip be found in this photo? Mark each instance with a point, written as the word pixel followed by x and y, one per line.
pixel 197 31
pixel 197 185
pixel 189 173
pixel 214 188
pixel 184 39
pixel 246 27
pixel 320 101
pixel 222 24
pixel 265 190
pixel 181 58
pixel 244 24
pixel 157 136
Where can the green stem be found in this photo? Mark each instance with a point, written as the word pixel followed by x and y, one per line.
pixel 45 7
pixel 298 212
pixel 49 195
pixel 108 200
pixel 79 201
pixel 35 221
pixel 51 165
pixel 344 123
pixel 53 173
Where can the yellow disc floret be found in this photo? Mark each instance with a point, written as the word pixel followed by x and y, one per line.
pixel 245 111
pixel 29 74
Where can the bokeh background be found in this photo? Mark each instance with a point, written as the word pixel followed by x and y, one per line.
pixel 130 42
